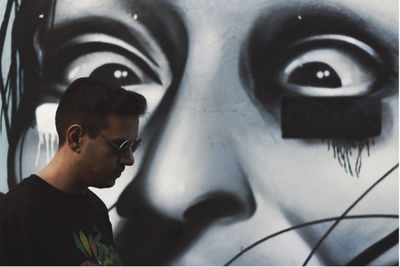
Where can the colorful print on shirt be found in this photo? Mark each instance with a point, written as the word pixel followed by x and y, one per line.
pixel 95 250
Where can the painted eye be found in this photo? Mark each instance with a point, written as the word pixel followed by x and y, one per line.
pixel 315 74
pixel 330 65
pixel 117 73
pixel 101 55
pixel 110 65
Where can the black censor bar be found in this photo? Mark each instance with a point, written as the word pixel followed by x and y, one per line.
pixel 330 117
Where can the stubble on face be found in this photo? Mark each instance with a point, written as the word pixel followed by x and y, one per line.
pixel 99 164
pixel 93 165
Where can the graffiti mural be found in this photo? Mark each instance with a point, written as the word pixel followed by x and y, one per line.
pixel 271 136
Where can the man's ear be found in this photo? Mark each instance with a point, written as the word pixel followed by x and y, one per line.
pixel 74 137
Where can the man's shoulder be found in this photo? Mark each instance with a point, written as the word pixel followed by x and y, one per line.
pixel 21 203
pixel 26 191
pixel 96 200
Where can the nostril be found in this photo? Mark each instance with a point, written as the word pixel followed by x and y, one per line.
pixel 216 206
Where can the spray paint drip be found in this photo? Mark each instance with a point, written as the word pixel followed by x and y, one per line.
pixel 343 151
pixel 46 127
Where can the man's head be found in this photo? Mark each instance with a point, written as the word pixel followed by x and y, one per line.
pixel 88 101
pixel 97 123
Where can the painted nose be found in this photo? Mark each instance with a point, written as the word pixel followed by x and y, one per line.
pixel 192 173
pixel 195 174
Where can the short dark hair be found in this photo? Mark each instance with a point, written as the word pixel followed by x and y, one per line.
pixel 87 101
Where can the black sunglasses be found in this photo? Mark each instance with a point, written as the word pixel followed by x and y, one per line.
pixel 122 148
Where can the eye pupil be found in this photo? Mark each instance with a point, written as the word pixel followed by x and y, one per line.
pixel 315 74
pixel 118 73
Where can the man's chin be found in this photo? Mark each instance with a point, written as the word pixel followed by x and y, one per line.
pixel 109 182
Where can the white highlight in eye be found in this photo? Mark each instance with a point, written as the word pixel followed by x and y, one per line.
pixel 299 17
pixel 117 74
pixel 41 16
pixel 124 74
pixel 45 122
pixel 322 74
pixel 135 16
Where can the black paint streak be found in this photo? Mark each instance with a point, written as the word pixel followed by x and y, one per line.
pixel 343 151
pixel 377 249
pixel 3 89
pixel 364 216
pixel 347 211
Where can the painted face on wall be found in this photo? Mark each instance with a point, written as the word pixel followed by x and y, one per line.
pixel 214 175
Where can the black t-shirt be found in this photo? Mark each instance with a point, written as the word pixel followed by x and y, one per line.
pixel 41 225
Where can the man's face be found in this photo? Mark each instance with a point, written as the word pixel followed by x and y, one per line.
pixel 99 164
pixel 215 162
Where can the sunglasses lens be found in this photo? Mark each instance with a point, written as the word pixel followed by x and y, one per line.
pixel 136 144
pixel 124 146
pixel 129 144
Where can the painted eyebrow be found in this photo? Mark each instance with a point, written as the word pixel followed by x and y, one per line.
pixel 61 33
pixel 303 20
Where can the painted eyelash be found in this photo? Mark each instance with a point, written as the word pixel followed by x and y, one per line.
pixel 343 151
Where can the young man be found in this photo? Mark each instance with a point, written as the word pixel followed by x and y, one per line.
pixel 52 218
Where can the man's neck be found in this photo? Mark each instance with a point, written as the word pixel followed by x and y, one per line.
pixel 58 174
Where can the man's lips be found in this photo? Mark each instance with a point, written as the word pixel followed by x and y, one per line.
pixel 119 171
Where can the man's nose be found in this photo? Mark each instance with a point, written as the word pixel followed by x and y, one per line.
pixel 127 158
